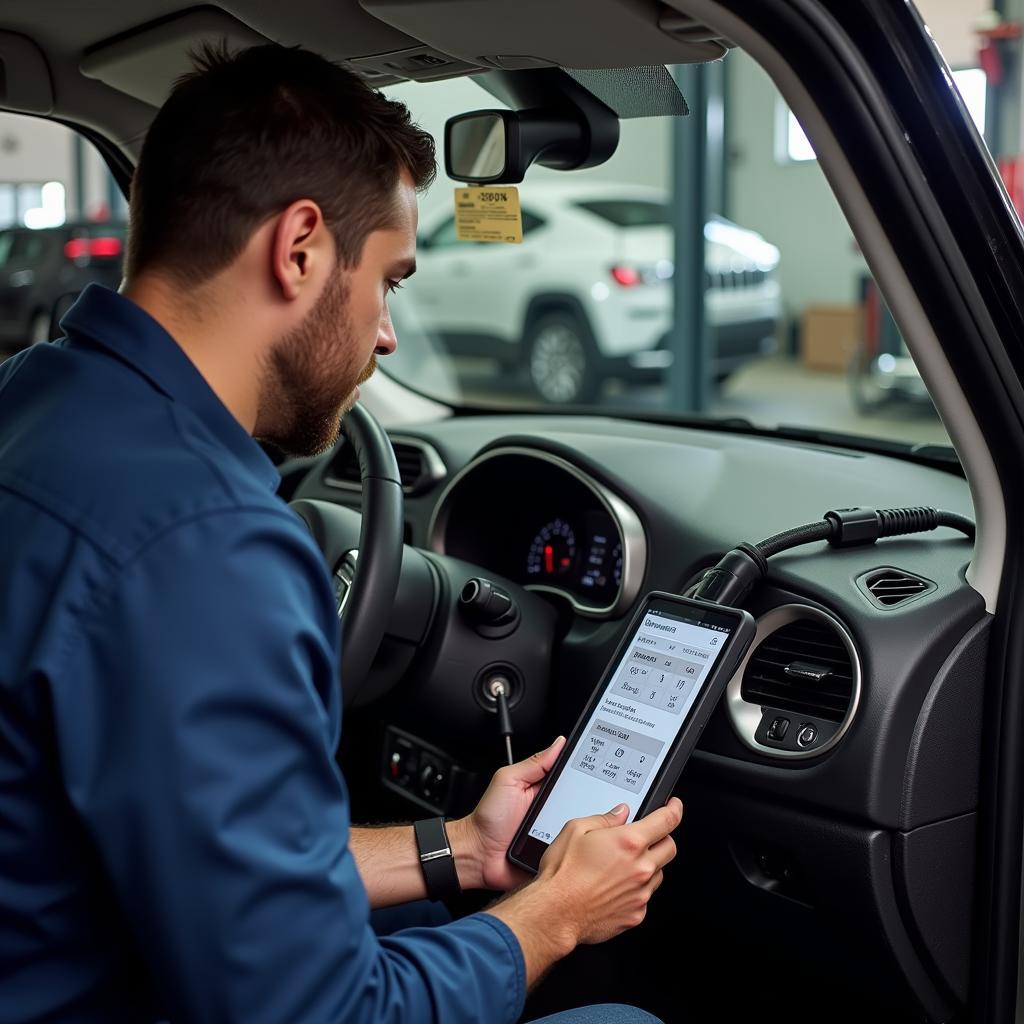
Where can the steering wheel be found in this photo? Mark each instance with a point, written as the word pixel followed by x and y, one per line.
pixel 365 577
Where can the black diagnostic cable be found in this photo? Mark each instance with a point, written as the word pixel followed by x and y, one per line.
pixel 499 689
pixel 738 570
pixel 493 613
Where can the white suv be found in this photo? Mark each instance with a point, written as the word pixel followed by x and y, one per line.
pixel 588 293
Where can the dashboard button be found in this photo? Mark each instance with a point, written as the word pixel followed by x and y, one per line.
pixel 807 735
pixel 778 729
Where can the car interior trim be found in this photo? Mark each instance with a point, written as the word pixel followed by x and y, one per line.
pixel 985 570
pixel 626 520
pixel 746 717
pixel 146 61
pixel 436 470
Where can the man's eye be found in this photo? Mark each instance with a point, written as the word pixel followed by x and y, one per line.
pixel 392 286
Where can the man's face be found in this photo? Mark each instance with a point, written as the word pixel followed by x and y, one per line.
pixel 313 373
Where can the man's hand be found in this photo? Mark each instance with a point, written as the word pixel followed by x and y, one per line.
pixel 595 881
pixel 492 825
pixel 605 872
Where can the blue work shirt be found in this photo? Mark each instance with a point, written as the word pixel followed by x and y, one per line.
pixel 173 826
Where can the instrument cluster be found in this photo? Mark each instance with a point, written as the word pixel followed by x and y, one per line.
pixel 538 520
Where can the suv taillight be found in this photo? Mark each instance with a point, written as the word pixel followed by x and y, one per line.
pixel 626 276
pixel 92 248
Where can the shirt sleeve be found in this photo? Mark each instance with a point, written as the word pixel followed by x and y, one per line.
pixel 194 739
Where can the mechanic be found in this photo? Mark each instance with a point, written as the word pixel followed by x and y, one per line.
pixel 174 831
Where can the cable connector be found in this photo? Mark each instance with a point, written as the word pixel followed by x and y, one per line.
pixel 737 571
pixel 852 526
pixel 729 581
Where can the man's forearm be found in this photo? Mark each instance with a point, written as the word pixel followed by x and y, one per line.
pixel 543 933
pixel 389 863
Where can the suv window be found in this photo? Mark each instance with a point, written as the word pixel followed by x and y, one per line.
pixel 26 247
pixel 628 214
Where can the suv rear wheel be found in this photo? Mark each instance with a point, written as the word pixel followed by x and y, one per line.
pixel 561 359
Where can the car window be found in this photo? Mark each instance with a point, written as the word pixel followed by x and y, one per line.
pixel 627 214
pixel 26 247
pixel 531 222
pixel 798 334
pixel 6 245
pixel 62 226
pixel 444 235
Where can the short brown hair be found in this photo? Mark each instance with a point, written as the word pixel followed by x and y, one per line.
pixel 245 135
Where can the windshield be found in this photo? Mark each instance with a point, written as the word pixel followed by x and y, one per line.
pixel 582 313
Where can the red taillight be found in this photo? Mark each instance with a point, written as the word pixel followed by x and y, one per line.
pixel 89 248
pixel 626 276
pixel 105 247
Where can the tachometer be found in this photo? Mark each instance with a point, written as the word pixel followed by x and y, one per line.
pixel 553 551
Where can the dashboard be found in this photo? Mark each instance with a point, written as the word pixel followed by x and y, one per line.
pixel 837 847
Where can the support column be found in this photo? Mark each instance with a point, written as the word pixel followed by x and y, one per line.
pixel 697 182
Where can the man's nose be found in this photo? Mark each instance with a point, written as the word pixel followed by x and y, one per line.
pixel 386 340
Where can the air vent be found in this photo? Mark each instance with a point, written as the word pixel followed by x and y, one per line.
pixel 419 465
pixel 890 587
pixel 804 667
pixel 412 465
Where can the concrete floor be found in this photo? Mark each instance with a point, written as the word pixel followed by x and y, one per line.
pixel 781 390
pixel 768 392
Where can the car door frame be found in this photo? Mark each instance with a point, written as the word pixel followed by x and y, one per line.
pixel 926 204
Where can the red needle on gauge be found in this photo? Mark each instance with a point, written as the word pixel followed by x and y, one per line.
pixel 549 559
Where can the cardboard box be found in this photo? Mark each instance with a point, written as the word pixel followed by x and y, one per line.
pixel 829 336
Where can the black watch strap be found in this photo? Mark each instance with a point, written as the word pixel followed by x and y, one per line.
pixel 436 859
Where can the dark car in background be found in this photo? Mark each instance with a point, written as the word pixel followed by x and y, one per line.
pixel 42 271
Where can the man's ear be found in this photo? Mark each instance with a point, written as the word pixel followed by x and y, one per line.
pixel 302 248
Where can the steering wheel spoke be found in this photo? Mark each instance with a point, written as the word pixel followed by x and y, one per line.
pixel 365 562
pixel 344 577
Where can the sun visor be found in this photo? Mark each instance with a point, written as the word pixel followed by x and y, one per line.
pixel 633 92
pixel 24 76
pixel 576 33
pixel 145 63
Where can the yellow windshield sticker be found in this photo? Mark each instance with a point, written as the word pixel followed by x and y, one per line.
pixel 488 214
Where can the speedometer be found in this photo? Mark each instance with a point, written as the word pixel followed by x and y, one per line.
pixel 617 564
pixel 552 552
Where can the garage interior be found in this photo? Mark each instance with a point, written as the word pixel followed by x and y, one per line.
pixel 833 359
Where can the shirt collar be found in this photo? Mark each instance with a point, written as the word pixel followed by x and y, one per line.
pixel 129 332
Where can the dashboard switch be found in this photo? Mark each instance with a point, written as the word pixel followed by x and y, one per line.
pixel 482 600
pixel 426 775
pixel 488 607
pixel 778 729
pixel 807 735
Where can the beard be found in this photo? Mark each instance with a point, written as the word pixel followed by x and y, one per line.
pixel 310 377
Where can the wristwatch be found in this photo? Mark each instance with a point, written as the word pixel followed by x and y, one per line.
pixel 436 859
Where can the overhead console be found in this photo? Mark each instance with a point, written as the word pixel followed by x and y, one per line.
pixel 578 33
pixel 388 41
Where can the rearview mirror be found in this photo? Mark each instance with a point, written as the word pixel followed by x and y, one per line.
pixel 488 146
pixel 476 146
